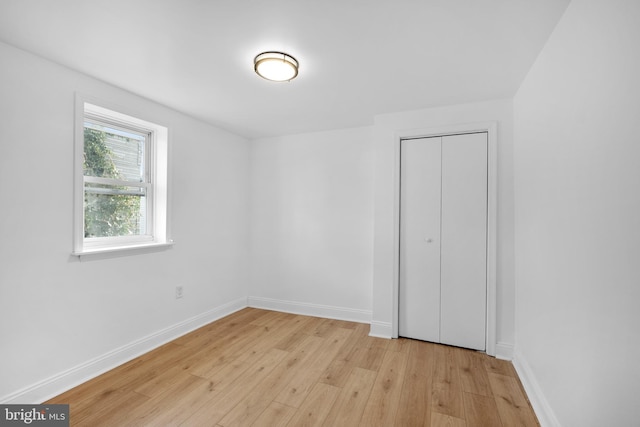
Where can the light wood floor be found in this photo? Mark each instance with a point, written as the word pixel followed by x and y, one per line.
pixel 265 368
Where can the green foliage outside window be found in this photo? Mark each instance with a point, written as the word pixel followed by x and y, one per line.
pixel 106 213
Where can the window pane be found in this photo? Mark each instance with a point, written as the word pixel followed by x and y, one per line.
pixel 114 211
pixel 113 153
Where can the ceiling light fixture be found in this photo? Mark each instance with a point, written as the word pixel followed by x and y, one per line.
pixel 276 66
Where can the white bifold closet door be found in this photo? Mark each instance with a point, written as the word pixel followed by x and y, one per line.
pixel 443 240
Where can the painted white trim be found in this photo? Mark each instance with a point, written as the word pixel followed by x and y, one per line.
pixel 504 351
pixel 308 309
pixel 139 246
pixel 492 213
pixel 541 407
pixel 72 377
pixel 381 330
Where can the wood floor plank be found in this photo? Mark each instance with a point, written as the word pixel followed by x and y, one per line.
pixel 291 341
pixel 415 400
pixel 359 332
pixel 212 345
pixel 341 366
pixel 337 372
pixel 352 401
pixel 447 389
pixel 253 337
pixel 272 319
pixel 481 411
pixel 401 345
pixel 328 325
pixel 498 366
pixel 227 349
pixel 102 409
pixel 199 334
pixel 382 406
pixel 369 352
pixel 296 334
pixel 362 329
pixel 126 377
pixel 188 402
pixel 276 415
pixel 344 324
pixel 228 397
pixel 277 332
pixel 312 326
pixel 325 327
pixel 267 369
pixel 422 357
pixel 513 406
pixel 223 326
pixel 442 420
pixel 259 398
pixel 472 372
pixel 211 336
pixel 316 406
pixel 176 403
pixel 223 374
pixel 202 362
pixel 300 386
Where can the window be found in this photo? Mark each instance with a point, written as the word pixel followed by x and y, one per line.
pixel 121 181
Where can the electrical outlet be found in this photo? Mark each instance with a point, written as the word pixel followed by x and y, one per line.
pixel 179 292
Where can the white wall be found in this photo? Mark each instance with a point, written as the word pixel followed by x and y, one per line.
pixel 57 313
pixel 386 126
pixel 577 218
pixel 312 222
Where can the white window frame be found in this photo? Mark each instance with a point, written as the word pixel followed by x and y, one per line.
pixel 156 170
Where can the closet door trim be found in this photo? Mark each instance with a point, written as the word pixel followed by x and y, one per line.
pixel 492 155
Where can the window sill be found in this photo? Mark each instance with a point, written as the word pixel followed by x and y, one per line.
pixel 141 248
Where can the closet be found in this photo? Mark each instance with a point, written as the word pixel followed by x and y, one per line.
pixel 443 239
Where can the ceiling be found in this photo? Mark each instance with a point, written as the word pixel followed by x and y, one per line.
pixel 358 58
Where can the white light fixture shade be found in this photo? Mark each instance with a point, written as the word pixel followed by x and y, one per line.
pixel 276 66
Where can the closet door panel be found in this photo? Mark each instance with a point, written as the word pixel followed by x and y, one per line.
pixel 464 240
pixel 419 293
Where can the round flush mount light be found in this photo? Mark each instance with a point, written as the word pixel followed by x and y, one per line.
pixel 276 66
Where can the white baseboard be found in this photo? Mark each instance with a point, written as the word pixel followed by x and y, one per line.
pixel 504 351
pixel 541 407
pixel 381 330
pixel 70 378
pixel 307 309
